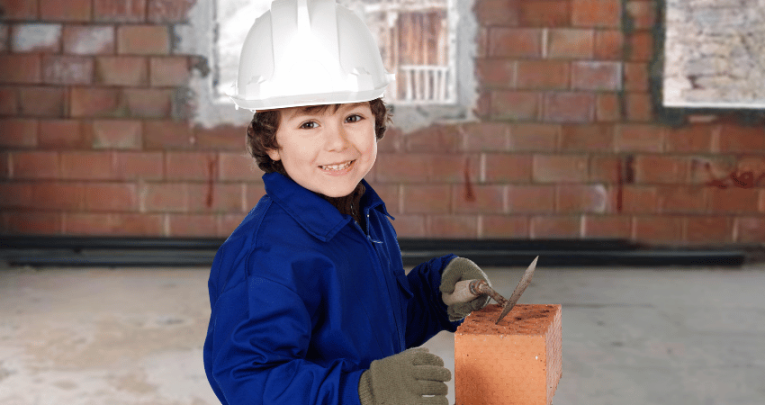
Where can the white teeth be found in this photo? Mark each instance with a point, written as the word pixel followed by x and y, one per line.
pixel 337 167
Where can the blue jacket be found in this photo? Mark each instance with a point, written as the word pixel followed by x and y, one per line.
pixel 303 300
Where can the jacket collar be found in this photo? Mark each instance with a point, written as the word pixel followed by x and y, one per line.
pixel 316 215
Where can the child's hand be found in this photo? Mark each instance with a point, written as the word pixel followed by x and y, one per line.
pixel 460 269
pixel 404 378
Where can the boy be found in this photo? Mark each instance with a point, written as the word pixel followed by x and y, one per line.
pixel 310 302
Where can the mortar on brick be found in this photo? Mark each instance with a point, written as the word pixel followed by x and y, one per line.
pixel 517 361
pixel 36 37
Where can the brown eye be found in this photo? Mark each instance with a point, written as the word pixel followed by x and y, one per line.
pixel 354 118
pixel 309 125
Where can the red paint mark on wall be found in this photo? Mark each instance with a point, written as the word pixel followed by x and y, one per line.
pixel 212 165
pixel 625 173
pixel 469 194
pixel 738 179
pixel 619 184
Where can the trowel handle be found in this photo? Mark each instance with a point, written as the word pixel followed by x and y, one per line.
pixel 462 292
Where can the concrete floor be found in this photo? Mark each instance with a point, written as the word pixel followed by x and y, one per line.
pixel 630 336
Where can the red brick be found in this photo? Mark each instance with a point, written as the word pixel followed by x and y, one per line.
pixel 86 166
pixel 169 11
pixel 18 132
pixel 452 226
pixel 733 200
pixel 122 70
pixel 639 107
pixel 169 71
pixel 641 13
pixel 216 197
pixel 36 37
pixel 609 45
pixel 111 197
pixel 255 191
pixel 42 101
pixel 70 10
pixel 410 226
pixel 9 100
pixel 637 200
pixel 421 167
pixel 485 136
pixel 166 134
pixel 515 105
pixel 5 34
pixel 33 222
pixel 238 166
pixel 597 226
pixel 659 229
pixel 114 224
pixel 555 227
pixel 605 168
pixel 448 168
pixel 117 134
pixel 579 198
pixel 21 68
pixel 51 195
pixel 754 164
pixel 560 168
pixel 543 74
pixel 534 137
pixel 427 199
pixel 482 42
pixel 608 107
pixel 193 225
pixel 478 199
pixel 89 39
pixel 391 142
pixel 221 137
pixel 138 165
pixel 15 194
pixel 403 168
pixel 191 166
pixel 227 223
pixel 515 42
pixel 149 103
pixel 504 227
pixel 587 138
pixel 119 10
pixel 483 105
pixel 96 102
pixel 497 12
pixel 569 107
pixel 531 199
pixel 640 46
pixel 750 229
pixel 569 43
pixel 709 229
pixel 545 13
pixel 742 138
pixel 636 77
pixel 639 138
pixel 662 169
pixel 19 9
pixel 143 39
pixel 596 13
pixel 64 69
pixel 496 72
pixel 164 197
pixel 703 170
pixel 691 138
pixel 35 165
pixel 4 165
pixel 434 138
pixel 596 76
pixel 505 168
pixel 62 134
pixel 682 199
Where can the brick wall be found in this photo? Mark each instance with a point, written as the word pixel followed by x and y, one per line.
pixel 95 139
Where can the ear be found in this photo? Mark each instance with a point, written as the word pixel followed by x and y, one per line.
pixel 274 154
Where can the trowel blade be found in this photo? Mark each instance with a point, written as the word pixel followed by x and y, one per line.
pixel 519 289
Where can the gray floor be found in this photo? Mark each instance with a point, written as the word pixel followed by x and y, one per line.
pixel 630 336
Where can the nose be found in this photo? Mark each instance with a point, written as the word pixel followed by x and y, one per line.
pixel 337 138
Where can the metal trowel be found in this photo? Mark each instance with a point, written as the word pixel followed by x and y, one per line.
pixel 465 291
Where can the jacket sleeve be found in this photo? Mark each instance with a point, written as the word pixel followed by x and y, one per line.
pixel 426 312
pixel 261 332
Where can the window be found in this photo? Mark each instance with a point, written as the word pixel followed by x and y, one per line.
pixel 429 45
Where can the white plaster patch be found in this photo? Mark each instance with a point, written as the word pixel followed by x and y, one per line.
pixel 28 37
pixel 92 40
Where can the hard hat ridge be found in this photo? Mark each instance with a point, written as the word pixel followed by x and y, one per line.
pixel 304 52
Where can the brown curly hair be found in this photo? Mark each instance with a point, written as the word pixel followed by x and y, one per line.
pixel 261 133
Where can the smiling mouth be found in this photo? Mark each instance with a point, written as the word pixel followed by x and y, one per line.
pixel 337 167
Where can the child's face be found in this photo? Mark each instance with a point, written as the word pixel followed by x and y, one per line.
pixel 328 153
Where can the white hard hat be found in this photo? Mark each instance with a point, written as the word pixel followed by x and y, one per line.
pixel 308 52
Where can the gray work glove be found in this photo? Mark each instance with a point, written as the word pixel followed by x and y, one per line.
pixel 403 379
pixel 460 269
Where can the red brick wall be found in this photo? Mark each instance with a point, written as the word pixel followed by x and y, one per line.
pixel 568 144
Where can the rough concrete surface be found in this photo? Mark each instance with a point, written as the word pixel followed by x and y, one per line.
pixel 132 336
